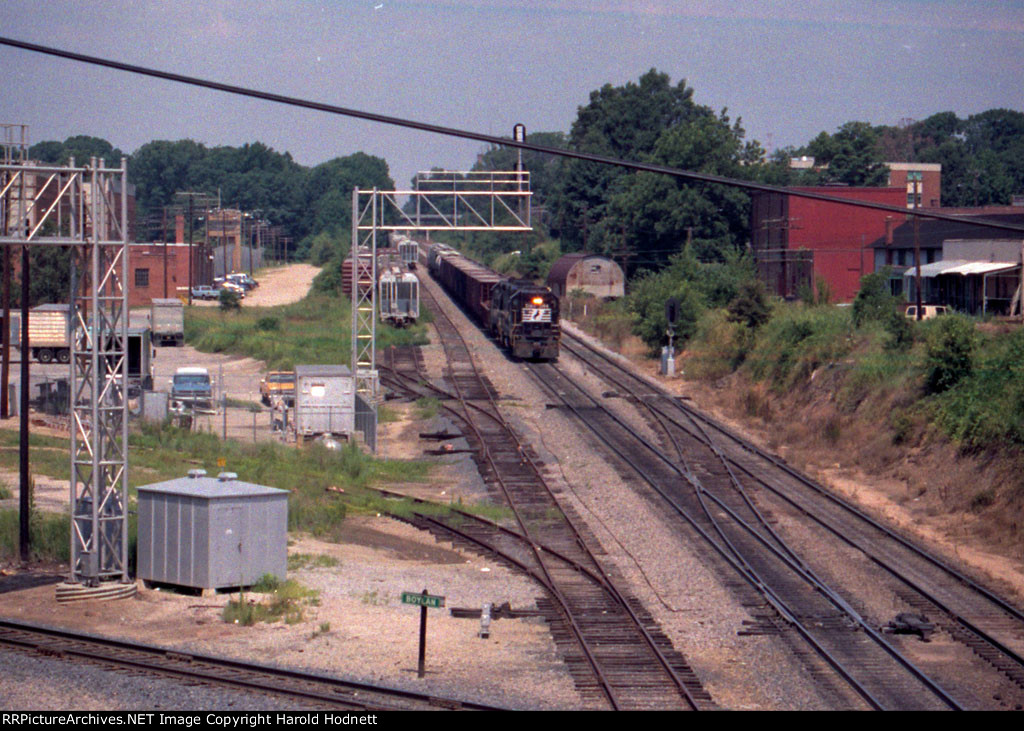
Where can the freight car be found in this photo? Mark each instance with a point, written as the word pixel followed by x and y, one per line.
pixel 409 252
pixel 399 297
pixel 521 315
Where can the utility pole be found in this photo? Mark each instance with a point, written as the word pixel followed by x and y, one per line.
pixel 24 478
pixel 917 252
pixel 190 257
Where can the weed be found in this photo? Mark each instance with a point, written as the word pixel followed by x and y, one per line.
pixel 832 430
pixel 983 499
pixel 297 561
pixel 427 407
pixel 287 602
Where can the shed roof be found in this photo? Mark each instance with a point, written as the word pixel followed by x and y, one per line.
pixel 210 488
pixel 959 266
pixel 321 370
pixel 561 268
pixel 982 267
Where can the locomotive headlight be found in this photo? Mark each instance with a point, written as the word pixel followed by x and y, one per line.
pixel 537 300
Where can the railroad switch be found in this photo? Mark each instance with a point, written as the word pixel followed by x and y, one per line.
pixel 907 623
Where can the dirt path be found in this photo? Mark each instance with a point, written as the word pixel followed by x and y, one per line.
pixel 278 286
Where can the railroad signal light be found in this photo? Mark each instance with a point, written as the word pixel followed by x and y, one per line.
pixel 672 311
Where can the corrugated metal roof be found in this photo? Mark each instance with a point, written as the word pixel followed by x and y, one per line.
pixel 934 269
pixel 959 266
pixel 561 268
pixel 981 267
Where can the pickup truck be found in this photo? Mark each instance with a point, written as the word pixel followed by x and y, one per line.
pixel 192 391
pixel 205 292
pixel 278 383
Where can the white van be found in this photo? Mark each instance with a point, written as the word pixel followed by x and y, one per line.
pixel 927 311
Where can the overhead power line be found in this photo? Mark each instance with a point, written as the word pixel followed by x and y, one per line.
pixel 491 139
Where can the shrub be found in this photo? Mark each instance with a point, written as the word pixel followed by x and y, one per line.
pixel 750 307
pixel 949 352
pixel 873 300
pixel 229 300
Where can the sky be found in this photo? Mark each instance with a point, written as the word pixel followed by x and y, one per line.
pixel 788 68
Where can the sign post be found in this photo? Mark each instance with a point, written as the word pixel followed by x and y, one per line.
pixel 422 600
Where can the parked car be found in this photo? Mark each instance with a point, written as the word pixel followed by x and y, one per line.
pixel 205 292
pixel 243 280
pixel 927 311
pixel 232 287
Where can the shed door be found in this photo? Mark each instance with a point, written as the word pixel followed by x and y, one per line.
pixel 230 559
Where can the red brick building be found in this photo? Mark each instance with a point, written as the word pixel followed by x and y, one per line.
pixel 922 182
pixel 799 241
pixel 162 271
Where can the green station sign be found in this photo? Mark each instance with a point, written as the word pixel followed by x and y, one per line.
pixel 422 600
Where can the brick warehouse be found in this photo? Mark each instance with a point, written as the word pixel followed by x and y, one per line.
pixel 797 241
pixel 161 271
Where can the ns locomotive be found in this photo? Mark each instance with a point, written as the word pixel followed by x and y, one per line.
pixel 521 315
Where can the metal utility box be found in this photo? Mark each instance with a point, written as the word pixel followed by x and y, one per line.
pixel 324 400
pixel 211 532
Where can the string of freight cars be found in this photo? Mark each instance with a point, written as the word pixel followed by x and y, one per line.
pixel 491 139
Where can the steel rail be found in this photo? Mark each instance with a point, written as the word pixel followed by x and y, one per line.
pixel 9 629
pixel 812 580
pixel 597 578
pixel 695 417
pixel 605 684
pixel 740 567
pixel 620 600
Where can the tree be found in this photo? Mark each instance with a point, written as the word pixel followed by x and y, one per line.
pixel 604 208
pixel 625 122
pixel 852 154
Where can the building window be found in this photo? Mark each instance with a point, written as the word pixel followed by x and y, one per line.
pixel 142 277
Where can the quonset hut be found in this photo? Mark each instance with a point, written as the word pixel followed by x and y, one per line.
pixel 596 275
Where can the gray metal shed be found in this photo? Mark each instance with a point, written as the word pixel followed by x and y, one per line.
pixel 324 400
pixel 211 532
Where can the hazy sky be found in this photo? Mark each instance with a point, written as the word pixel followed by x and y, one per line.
pixel 789 68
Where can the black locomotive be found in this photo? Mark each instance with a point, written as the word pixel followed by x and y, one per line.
pixel 521 315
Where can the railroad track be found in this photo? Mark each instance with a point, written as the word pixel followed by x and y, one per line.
pixel 320 692
pixel 613 648
pixel 733 495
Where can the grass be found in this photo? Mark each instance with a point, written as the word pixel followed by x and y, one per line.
pixel 298 561
pixel 314 331
pixel 287 601
pixel 48 534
